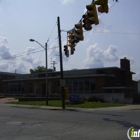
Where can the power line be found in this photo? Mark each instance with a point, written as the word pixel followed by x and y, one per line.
pixel 27 51
pixel 99 18
pixel 51 32
pixel 119 33
pixel 22 54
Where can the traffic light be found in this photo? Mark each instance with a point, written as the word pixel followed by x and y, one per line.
pixel 79 32
pixel 86 23
pixel 72 50
pixel 66 50
pixel 92 14
pixel 103 8
pixel 70 40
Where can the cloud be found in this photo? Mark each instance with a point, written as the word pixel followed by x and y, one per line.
pixel 30 58
pixel 136 76
pixel 54 53
pixel 109 54
pixel 96 56
pixel 101 27
pixel 67 1
pixel 21 68
pixel 3 40
pixel 4 52
pixel 9 62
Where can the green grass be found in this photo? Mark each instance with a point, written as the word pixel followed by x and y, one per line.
pixel 58 103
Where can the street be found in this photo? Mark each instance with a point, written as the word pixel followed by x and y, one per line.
pixel 18 123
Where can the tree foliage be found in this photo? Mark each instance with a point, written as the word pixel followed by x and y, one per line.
pixel 40 69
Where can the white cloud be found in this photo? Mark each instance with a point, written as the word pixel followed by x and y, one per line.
pixel 96 56
pixel 109 54
pixel 136 76
pixel 67 1
pixel 9 62
pixel 21 68
pixel 3 40
pixel 4 52
pixel 29 58
pixel 54 53
pixel 101 27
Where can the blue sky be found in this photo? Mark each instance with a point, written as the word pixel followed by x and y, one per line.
pixel 116 36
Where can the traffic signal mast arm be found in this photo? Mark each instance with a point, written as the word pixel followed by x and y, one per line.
pixel 90 17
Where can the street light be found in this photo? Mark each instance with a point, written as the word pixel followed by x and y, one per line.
pixel 32 40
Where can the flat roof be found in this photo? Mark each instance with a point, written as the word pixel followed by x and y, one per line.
pixel 118 88
pixel 58 77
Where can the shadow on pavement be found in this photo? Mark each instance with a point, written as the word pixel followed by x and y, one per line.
pixel 123 123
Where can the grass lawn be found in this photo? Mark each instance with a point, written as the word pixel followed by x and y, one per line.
pixel 58 103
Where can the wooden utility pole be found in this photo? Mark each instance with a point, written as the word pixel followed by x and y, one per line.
pixel 61 63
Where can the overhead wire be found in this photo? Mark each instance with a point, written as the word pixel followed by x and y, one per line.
pixel 22 54
pixel 119 33
pixel 48 39
pixel 28 52
pixel 19 55
pixel 99 18
pixel 51 32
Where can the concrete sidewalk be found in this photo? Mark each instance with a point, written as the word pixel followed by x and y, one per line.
pixel 6 100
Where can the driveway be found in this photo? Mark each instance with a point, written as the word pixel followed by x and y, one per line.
pixel 5 100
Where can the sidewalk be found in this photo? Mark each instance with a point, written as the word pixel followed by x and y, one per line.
pixel 3 101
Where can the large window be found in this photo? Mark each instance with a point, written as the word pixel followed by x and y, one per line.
pixel 80 86
pixel 75 86
pixel 92 87
pixel 16 87
pixel 70 87
pixel 86 86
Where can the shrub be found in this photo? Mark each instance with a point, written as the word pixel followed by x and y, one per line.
pixel 74 102
pixel 95 99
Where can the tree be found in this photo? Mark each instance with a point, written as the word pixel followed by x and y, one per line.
pixel 40 69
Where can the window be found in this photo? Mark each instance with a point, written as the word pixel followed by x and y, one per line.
pixel 75 86
pixel 16 87
pixel 81 85
pixel 70 86
pixel 92 86
pixel 86 86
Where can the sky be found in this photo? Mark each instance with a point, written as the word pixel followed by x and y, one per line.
pixel 116 36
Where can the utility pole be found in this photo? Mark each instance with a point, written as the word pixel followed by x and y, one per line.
pixel 46 74
pixel 61 63
pixel 53 65
pixel 32 40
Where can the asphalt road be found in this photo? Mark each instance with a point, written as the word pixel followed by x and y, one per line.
pixel 18 123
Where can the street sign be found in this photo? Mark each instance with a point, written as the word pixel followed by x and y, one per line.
pixel 62 82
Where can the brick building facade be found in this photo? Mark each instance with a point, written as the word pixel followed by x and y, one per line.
pixel 109 83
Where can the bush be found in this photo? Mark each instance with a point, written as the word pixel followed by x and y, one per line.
pixel 67 102
pixel 95 99
pixel 74 102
